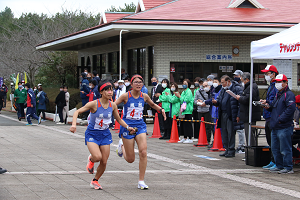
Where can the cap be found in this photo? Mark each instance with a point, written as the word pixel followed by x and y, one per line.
pixel 238 72
pixel 211 77
pixel 121 81
pixel 297 98
pixel 270 68
pixel 280 77
pixel 39 84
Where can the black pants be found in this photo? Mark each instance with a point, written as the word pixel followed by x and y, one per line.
pixel 20 110
pixel 196 124
pixel 43 113
pixel 228 134
pixel 60 114
pixel 167 126
pixel 208 127
pixel 268 131
pixel 186 128
pixel 1 103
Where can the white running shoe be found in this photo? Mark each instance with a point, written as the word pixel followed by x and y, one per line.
pixel 181 141
pixel 188 141
pixel 142 185
pixel 119 149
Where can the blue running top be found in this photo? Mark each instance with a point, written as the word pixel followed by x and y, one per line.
pixel 101 119
pixel 133 109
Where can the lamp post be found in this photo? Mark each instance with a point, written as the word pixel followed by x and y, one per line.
pixel 120 63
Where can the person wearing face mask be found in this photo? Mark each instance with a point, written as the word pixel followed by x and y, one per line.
pixel 31 103
pixel 210 82
pixel 60 102
pixel 229 118
pixel 237 76
pixel 187 102
pixel 20 96
pixel 66 108
pixel 244 107
pixel 282 112
pixel 2 94
pixel 270 74
pixel 195 113
pixel 174 100
pixel 93 93
pixel 96 76
pixel 127 84
pixel 84 89
pixel 164 99
pixel 120 91
pixel 156 91
pixel 203 95
pixel 5 89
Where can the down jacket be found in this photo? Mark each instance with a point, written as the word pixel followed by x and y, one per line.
pixel 233 107
pixel 270 97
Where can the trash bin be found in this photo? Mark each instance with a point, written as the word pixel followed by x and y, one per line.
pixel 257 156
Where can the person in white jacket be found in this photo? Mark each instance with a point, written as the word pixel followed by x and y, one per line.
pixel 66 108
pixel 121 90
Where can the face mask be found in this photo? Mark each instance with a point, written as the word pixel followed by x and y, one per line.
pixel 34 89
pixel 20 86
pixel 215 85
pixel 206 89
pixel 278 86
pixel 173 89
pixel 196 84
pixel 210 83
pixel 164 85
pixel 226 87
pixel 243 84
pixel 127 84
pixel 121 86
pixel 90 86
pixel 26 88
pixel 268 78
pixel 116 84
pixel 184 86
pixel 85 72
pixel 154 83
pixel 61 89
pixel 237 79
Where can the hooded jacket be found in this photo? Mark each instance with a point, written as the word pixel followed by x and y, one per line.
pixel 187 96
pixel 85 88
pixel 31 98
pixel 270 97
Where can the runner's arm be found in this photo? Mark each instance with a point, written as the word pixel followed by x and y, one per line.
pixel 121 121
pixel 154 106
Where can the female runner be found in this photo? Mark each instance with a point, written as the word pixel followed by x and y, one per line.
pixel 97 136
pixel 133 115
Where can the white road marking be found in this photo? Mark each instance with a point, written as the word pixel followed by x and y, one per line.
pixel 222 174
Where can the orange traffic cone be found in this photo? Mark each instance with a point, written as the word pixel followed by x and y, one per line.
pixel 117 125
pixel 202 140
pixel 174 133
pixel 117 130
pixel 156 129
pixel 218 145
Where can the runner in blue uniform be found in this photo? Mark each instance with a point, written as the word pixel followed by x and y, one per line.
pixel 97 136
pixel 133 115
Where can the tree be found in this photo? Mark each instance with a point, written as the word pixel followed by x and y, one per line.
pixel 127 8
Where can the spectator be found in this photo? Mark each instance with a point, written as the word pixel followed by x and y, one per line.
pixel 270 74
pixel 84 90
pixel 195 113
pixel 96 76
pixel 127 84
pixel 283 108
pixel 89 76
pixel 186 100
pixel 2 170
pixel 146 105
pixel 156 91
pixel 115 89
pixel 210 81
pixel 31 103
pixel 244 107
pixel 164 99
pixel 60 102
pixel 94 93
pixel 203 111
pixel 4 94
pixel 124 75
pixel 85 71
pixel 42 103
pixel 20 96
pixel 174 100
pixel 120 91
pixel 228 114
pixel 66 108
pixel 241 133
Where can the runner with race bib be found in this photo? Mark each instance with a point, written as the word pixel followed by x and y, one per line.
pixel 134 101
pixel 97 136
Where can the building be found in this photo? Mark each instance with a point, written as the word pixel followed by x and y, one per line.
pixel 181 39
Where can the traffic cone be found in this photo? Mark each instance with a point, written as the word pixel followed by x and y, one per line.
pixel 117 125
pixel 218 145
pixel 156 129
pixel 117 130
pixel 202 140
pixel 174 133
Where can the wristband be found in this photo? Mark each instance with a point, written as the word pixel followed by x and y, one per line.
pixel 160 110
pixel 127 127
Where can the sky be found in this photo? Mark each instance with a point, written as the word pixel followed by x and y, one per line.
pixel 50 7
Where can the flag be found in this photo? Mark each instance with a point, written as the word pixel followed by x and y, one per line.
pixel 17 81
pixel 25 77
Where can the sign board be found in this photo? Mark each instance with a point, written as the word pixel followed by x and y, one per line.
pixel 161 77
pixel 218 57
pixel 285 67
pixel 172 69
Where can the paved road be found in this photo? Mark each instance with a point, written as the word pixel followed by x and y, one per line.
pixel 48 162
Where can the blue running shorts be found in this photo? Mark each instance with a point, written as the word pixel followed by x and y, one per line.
pixel 140 124
pixel 101 138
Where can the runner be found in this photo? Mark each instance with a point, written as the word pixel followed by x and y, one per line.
pixel 97 136
pixel 133 115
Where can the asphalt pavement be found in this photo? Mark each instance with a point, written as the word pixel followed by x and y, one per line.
pixel 47 161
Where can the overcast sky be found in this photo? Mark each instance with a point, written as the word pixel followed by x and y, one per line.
pixel 51 7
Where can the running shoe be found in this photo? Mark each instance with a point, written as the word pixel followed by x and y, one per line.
pixel 96 185
pixel 271 164
pixel 90 165
pixel 60 123
pixel 286 171
pixel 28 124
pixel 142 185
pixel 39 120
pixel 274 170
pixel 43 120
pixel 119 149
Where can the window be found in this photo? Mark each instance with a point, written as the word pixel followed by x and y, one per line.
pixel 102 63
pixel 136 61
pixel 113 62
pixel 150 63
pixel 180 71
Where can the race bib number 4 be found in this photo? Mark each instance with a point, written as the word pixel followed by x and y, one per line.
pixel 102 123
pixel 134 113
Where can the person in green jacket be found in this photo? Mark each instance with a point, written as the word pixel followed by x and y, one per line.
pixel 195 113
pixel 186 100
pixel 174 100
pixel 20 97
pixel 164 99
